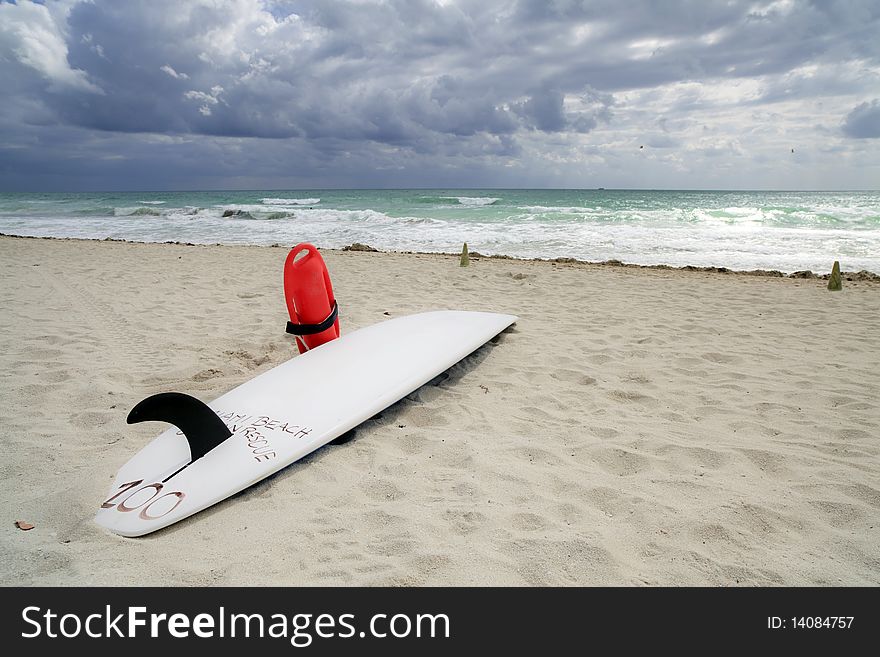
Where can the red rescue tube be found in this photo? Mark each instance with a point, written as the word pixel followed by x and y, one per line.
pixel 310 300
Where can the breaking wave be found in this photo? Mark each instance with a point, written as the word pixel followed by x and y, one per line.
pixel 290 201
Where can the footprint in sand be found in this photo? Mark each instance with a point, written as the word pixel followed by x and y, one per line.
pixel 840 514
pixel 620 462
pixel 464 522
pixel 527 522
pixel 630 396
pixel 862 493
pixel 715 357
pixel 380 491
pixel 573 376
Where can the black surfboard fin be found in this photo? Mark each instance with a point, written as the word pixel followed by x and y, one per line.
pixel 203 429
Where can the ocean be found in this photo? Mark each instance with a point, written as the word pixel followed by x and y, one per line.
pixel 787 231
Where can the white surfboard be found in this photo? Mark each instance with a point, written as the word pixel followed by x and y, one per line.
pixel 293 409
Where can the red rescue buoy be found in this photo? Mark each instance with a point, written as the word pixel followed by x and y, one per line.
pixel 314 314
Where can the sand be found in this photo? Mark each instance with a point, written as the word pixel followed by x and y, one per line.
pixel 636 426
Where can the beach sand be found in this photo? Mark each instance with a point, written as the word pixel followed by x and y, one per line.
pixel 635 427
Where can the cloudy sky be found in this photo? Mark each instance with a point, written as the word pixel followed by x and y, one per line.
pixel 272 94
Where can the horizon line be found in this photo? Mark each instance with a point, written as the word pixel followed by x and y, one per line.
pixel 406 189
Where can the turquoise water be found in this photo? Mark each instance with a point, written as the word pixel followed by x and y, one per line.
pixel 788 231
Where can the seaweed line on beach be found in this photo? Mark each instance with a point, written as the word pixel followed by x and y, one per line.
pixel 862 275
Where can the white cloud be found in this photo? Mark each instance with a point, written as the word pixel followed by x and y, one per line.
pixel 207 99
pixel 174 74
pixel 36 37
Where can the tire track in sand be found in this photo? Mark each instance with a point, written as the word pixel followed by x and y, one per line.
pixel 113 331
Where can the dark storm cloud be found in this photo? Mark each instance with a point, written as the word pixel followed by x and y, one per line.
pixel 864 121
pixel 327 88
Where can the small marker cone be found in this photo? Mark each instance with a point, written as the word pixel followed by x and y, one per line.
pixel 465 260
pixel 834 281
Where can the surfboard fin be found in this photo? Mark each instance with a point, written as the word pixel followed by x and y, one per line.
pixel 203 429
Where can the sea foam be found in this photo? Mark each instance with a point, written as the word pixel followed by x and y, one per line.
pixel 739 230
pixel 290 201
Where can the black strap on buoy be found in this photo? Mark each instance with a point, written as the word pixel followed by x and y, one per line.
pixel 203 429
pixel 312 329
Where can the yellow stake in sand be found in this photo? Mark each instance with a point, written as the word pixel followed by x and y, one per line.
pixel 465 260
pixel 834 281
